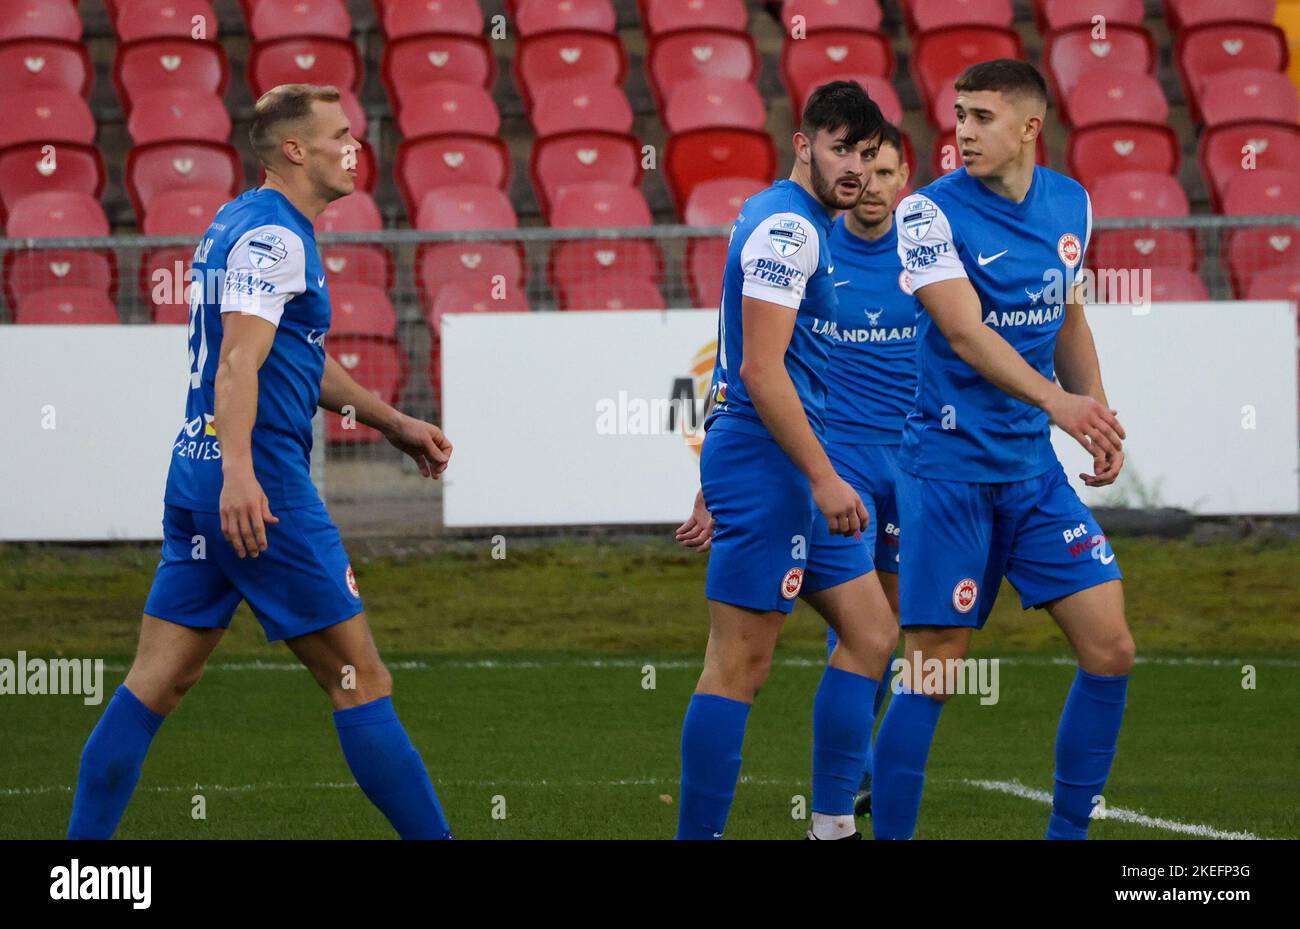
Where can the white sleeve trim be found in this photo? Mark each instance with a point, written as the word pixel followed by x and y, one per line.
pixel 265 269
pixel 1087 235
pixel 925 243
pixel 779 256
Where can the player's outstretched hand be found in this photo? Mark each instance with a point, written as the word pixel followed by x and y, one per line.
pixel 697 532
pixel 1105 469
pixel 424 442
pixel 1092 425
pixel 245 514
pixel 841 505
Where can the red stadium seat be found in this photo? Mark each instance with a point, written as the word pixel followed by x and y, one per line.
pixel 1248 94
pixel 718 202
pixel 698 53
pixel 1143 248
pixel 83 306
pixel 431 162
pixel 576 106
pixel 692 157
pixel 703 103
pixel 831 14
pixel 158 64
pixel 57 214
pixel 928 15
pixel 583 157
pixel 942 54
pixel 1104 149
pixel 1205 51
pixel 187 211
pixel 1071 54
pixel 1248 252
pixel 601 206
pixel 39 19
pixel 46 64
pixel 611 292
pixel 358 309
pixel 1139 193
pixel 40 116
pixel 472 206
pixel 808 63
pixel 595 57
pixel 175 114
pixel 1104 95
pixel 472 264
pixel 1279 283
pixel 534 17
pixel 663 16
pixel 309 60
pixel 1188 14
pixel 448 108
pixel 424 59
pixel 163 281
pixel 1167 285
pixel 705 262
pixel 424 17
pixel 35 168
pixel 1057 15
pixel 164 166
pixel 1261 145
pixel 356 212
pixel 287 19
pixel 1264 191
pixel 142 20
pixel 474 297
pixel 377 364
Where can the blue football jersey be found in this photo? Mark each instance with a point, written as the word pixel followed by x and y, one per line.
pixel 1022 259
pixel 258 257
pixel 871 378
pixel 778 252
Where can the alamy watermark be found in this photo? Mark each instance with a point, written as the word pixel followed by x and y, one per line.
pixel 83 676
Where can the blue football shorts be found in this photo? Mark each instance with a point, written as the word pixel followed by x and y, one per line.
pixel 964 538
pixel 764 554
pixel 872 470
pixel 302 583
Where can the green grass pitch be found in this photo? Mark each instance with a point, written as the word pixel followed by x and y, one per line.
pixel 522 682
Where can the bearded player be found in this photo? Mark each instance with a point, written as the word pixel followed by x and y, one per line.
pixel 993 251
pixel 242 519
pixel 765 476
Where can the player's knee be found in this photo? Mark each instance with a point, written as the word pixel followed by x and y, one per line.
pixel 1119 655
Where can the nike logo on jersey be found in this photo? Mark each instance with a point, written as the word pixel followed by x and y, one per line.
pixel 992 258
pixel 840 283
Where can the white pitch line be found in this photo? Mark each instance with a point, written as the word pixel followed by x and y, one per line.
pixel 490 664
pixel 1017 789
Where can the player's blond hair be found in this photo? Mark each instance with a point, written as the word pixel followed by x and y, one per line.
pixel 280 112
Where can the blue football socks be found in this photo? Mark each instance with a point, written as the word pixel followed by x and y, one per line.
pixel 389 770
pixel 110 765
pixel 1085 748
pixel 842 722
pixel 712 734
pixel 902 746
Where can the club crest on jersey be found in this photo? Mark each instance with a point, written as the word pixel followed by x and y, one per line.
pixel 266 250
pixel 1070 249
pixel 918 219
pixel 791 583
pixel 964 594
pixel 352 582
pixel 787 237
pixel 904 282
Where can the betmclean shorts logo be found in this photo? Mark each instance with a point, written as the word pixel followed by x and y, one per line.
pixel 103 882
pixel 53 676
pixel 1047 314
pixel 773 273
pixel 787 236
pixel 266 250
pixel 922 256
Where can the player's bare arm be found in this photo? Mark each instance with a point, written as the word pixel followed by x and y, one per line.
pixel 245 342
pixel 955 308
pixel 423 442
pixel 1079 371
pixel 767 331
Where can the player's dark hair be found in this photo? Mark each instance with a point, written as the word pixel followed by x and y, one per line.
pixel 1005 75
pixel 280 106
pixel 842 106
pixel 889 135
